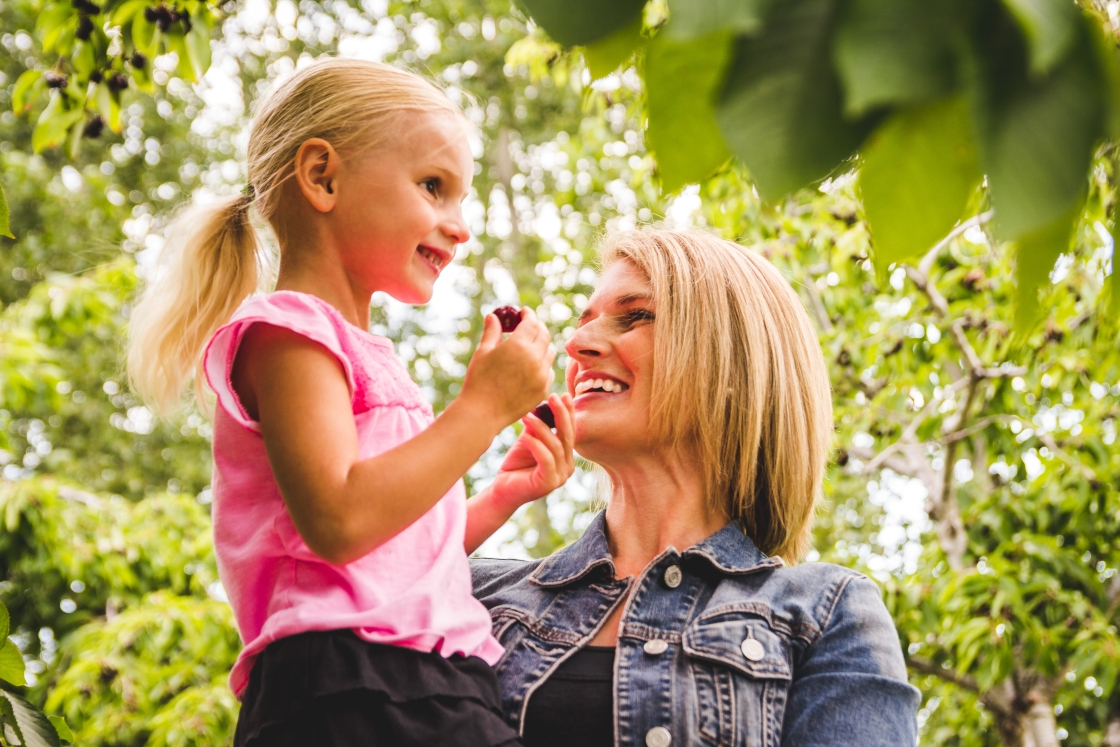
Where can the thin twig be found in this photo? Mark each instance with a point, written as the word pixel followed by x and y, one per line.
pixel 931 256
pixel 925 666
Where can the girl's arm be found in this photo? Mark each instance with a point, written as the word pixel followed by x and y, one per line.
pixel 538 463
pixel 343 506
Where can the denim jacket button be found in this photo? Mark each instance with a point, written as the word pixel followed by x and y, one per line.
pixel 656 647
pixel 658 736
pixel 673 577
pixel 753 650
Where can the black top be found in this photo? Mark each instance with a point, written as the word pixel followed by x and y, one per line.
pixel 575 705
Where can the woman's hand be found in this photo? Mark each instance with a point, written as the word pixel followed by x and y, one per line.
pixel 539 462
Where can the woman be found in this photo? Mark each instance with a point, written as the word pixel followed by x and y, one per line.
pixel 679 618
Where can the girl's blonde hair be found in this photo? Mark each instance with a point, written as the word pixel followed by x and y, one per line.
pixel 739 380
pixel 214 259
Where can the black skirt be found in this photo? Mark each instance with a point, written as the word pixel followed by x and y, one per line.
pixel 335 690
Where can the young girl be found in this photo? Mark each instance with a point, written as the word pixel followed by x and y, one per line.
pixel 340 521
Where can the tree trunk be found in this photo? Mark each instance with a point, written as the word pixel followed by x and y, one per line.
pixel 1024 711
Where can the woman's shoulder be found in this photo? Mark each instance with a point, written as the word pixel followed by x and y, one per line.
pixel 492 575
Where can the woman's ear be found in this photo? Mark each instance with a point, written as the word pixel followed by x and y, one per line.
pixel 317 165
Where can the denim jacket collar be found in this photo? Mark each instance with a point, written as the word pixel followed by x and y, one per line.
pixel 729 551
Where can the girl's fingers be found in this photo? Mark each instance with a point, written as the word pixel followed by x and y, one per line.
pixel 563 412
pixel 491 333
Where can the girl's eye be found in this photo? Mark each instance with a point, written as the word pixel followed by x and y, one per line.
pixel 431 185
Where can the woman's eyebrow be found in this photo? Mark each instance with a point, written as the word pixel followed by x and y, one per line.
pixel 626 300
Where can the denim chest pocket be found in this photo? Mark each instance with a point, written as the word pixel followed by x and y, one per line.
pixel 741 673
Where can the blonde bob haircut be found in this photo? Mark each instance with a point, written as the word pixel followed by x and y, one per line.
pixel 739 380
pixel 214 258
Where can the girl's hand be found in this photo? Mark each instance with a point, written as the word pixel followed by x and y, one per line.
pixel 540 461
pixel 508 378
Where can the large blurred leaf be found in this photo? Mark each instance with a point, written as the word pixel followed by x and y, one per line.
pixel 604 56
pixel 1036 134
pixel 692 18
pixel 5 225
pixel 30 725
pixel 1051 26
pixel 1035 257
pixel 781 108
pixel 918 173
pixel 12 668
pixel 898 52
pixel 575 23
pixel 682 82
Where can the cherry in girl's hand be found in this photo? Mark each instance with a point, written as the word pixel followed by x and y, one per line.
pixel 508 316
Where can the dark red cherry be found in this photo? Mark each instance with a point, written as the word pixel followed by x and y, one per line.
pixel 509 317
pixel 544 412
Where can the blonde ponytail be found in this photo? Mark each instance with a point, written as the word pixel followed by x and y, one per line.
pixel 211 263
pixel 213 258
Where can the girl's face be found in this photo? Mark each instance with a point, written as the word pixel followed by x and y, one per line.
pixel 611 367
pixel 399 212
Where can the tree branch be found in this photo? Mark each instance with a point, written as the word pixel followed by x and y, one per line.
pixel 925 666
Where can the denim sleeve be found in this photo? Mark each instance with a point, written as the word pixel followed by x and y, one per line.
pixel 850 687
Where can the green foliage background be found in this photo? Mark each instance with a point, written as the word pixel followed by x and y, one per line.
pixel 976 474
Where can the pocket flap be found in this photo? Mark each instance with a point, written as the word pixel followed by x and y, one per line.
pixel 724 640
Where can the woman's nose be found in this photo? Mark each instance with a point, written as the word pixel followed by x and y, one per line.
pixel 587 343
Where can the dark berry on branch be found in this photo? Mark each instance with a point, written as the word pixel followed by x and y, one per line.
pixel 138 61
pixel 117 82
pixel 85 28
pixel 163 24
pixel 55 80
pixel 94 127
pixel 509 317
pixel 151 13
pixel 96 77
pixel 87 7
pixel 544 412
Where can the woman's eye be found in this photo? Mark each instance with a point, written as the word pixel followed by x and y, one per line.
pixel 637 316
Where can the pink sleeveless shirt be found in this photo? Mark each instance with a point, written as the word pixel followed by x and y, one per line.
pixel 413 591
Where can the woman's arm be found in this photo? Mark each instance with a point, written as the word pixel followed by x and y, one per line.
pixel 538 463
pixel 343 506
pixel 850 687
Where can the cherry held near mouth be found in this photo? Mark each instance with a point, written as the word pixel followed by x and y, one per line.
pixel 544 412
pixel 508 316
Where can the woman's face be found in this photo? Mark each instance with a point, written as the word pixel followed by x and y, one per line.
pixel 611 366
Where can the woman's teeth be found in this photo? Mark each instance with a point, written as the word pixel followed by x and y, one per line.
pixel 431 256
pixel 607 385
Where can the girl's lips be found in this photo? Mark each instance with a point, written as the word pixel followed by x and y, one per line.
pixel 426 255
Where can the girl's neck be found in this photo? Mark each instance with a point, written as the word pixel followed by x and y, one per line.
pixel 313 270
pixel 655 504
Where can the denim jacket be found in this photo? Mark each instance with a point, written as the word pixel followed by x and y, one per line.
pixel 718 645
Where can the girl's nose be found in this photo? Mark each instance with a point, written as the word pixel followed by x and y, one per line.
pixel 454 226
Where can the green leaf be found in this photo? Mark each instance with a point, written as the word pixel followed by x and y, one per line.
pixel 22 95
pixel 198 49
pixel 60 726
pixel 5 230
pixel 682 82
pixel 54 123
pixel 126 11
pixel 1114 285
pixel 576 23
pixel 898 52
pixel 692 18
pixel 781 108
pixel 1036 134
pixel 1035 257
pixel 12 668
pixel 919 170
pixel 146 36
pixel 5 618
pixel 30 725
pixel 1051 27
pixel 604 56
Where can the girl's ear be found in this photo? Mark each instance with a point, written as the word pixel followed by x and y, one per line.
pixel 317 165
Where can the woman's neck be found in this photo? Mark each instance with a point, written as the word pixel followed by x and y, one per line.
pixel 654 504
